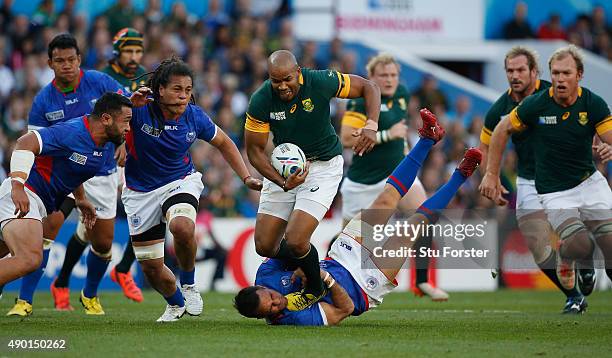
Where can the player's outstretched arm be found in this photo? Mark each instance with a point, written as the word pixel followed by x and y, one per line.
pixel 342 305
pixel 22 159
pixel 232 156
pixel 491 186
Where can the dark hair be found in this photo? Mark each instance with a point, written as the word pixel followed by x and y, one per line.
pixel 63 41
pixel 169 67
pixel 247 301
pixel 110 103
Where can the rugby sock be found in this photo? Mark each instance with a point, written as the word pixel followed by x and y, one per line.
pixel 127 260
pixel 442 197
pixel 187 277
pixel 609 273
pixel 549 266
pixel 404 174
pixel 96 267
pixel 74 250
pixel 309 264
pixel 176 299
pixel 422 262
pixel 283 251
pixel 30 281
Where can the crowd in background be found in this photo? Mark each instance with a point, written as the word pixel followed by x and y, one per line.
pixel 227 49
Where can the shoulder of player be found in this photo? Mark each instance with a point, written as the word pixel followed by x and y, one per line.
pixel 402 92
pixel 311 77
pixel 590 97
pixel 544 85
pixel 262 95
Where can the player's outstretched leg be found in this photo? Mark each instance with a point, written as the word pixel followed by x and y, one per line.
pixel 60 286
pixel 121 275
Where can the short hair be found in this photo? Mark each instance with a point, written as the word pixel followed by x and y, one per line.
pixel 63 41
pixel 531 55
pixel 247 301
pixel 380 59
pixel 111 103
pixel 563 52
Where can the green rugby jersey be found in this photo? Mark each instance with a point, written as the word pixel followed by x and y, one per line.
pixel 524 150
pixel 114 70
pixel 382 160
pixel 305 120
pixel 562 136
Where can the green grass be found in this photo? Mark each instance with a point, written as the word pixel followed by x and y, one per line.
pixel 504 323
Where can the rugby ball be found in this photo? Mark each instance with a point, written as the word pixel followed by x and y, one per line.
pixel 286 158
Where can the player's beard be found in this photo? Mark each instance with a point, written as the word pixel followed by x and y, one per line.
pixel 130 68
pixel 114 135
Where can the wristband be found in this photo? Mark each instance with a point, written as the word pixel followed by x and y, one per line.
pixel 22 161
pixel 284 183
pixel 245 179
pixel 18 179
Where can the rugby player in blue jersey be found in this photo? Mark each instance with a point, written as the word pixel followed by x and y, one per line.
pixel 72 93
pixel 355 279
pixel 162 185
pixel 47 165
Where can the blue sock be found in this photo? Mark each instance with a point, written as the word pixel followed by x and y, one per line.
pixel 187 277
pixel 96 267
pixel 442 197
pixel 30 281
pixel 404 174
pixel 176 299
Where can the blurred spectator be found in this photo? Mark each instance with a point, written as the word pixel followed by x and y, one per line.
pixel 429 95
pixel 599 24
pixel 580 34
pixel 518 27
pixel 120 15
pixel 462 112
pixel 552 29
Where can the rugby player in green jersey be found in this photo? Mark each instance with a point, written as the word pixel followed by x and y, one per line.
pixel 521 65
pixel 125 66
pixel 367 175
pixel 576 197
pixel 294 105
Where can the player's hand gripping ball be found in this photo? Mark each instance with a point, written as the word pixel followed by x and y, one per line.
pixel 287 158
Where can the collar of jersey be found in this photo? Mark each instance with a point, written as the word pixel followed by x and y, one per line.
pixel 54 82
pixel 86 123
pixel 117 68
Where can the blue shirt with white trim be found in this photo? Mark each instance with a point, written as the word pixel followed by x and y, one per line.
pixel 68 157
pixel 52 106
pixel 274 274
pixel 158 149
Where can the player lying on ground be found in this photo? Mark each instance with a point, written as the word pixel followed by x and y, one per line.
pixel 356 283
pixel 66 155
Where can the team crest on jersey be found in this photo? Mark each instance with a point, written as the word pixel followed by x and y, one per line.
pixel 402 103
pixel 286 281
pixel 190 136
pixel 154 132
pixel 135 221
pixel 582 118
pixel 293 108
pixel 308 105
pixel 278 116
pixel 78 158
pixel 55 115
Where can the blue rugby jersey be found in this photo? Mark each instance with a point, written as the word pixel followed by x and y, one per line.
pixel 52 106
pixel 273 273
pixel 158 153
pixel 68 158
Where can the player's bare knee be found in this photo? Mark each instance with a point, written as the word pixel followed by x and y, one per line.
pixel 265 249
pixel 30 260
pixel 537 233
pixel 182 229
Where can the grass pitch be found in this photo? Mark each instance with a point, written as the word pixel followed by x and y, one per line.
pixel 504 323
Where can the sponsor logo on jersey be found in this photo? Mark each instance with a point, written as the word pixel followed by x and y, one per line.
pixel 78 158
pixel 384 108
pixel 312 190
pixel 71 101
pixel 154 132
pixel 582 118
pixel 97 154
pixel 548 119
pixel 170 128
pixel 565 116
pixel 293 108
pixel 278 116
pixel 190 136
pixel 55 115
pixel 308 105
pixel 402 103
